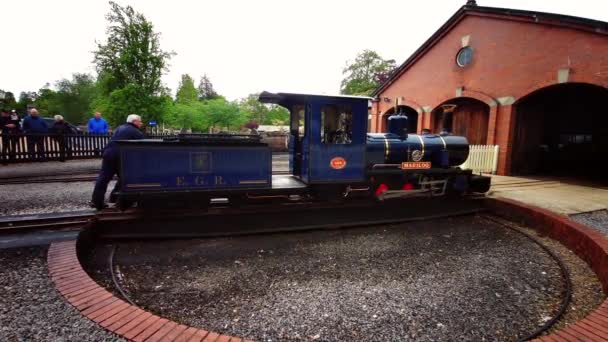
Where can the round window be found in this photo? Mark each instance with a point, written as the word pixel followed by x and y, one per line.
pixel 464 56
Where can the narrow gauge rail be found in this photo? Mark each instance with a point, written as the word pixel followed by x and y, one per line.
pixel 55 221
pixel 141 218
pixel 285 217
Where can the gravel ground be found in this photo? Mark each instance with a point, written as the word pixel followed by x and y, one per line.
pixel 49 168
pixel 31 309
pixel 596 219
pixel 455 279
pixel 37 198
pixel 19 199
pixel 587 292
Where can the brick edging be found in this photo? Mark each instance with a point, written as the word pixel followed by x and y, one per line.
pixel 136 324
pixel 589 244
pixel 112 313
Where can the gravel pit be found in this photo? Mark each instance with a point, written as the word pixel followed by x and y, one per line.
pixel 39 198
pixel 30 307
pixel 596 219
pixel 464 278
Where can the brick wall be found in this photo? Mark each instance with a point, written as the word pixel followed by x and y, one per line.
pixel 511 59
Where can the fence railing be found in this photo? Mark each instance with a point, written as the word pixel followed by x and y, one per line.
pixel 482 158
pixel 20 148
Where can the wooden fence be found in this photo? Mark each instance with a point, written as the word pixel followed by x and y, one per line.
pixel 30 147
pixel 22 148
pixel 482 158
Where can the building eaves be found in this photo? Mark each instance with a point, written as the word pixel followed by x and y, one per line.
pixel 585 24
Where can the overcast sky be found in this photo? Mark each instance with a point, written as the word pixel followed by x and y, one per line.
pixel 244 46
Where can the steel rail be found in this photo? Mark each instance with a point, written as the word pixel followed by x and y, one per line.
pixel 567 295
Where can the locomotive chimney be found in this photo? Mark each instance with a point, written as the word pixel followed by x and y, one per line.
pixel 448 113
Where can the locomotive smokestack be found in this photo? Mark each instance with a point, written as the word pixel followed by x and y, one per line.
pixel 448 113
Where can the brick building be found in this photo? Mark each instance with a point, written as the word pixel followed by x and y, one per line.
pixel 536 84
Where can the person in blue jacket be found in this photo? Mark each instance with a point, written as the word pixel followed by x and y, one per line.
pixel 110 163
pixel 98 125
pixel 36 130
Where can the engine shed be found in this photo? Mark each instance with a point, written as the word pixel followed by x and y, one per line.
pixel 533 83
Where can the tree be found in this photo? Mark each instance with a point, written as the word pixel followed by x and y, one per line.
pixel 205 89
pixel 366 73
pixel 223 114
pixel 186 92
pixel 73 98
pixel 261 113
pixel 7 100
pixel 25 99
pixel 130 65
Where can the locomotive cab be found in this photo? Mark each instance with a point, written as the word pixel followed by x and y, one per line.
pixel 327 137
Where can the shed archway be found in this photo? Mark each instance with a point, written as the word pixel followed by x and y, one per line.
pixel 412 118
pixel 470 119
pixel 562 130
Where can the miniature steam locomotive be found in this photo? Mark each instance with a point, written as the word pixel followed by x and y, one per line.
pixel 331 156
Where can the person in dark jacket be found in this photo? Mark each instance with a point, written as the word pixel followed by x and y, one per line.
pixel 111 160
pixel 36 130
pixel 59 129
pixel 9 128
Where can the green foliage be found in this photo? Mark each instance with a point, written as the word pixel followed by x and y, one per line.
pixel 223 114
pixel 261 113
pixel 202 116
pixel 186 92
pixel 130 65
pixel 25 99
pixel 7 100
pixel 132 99
pixel 366 73
pixel 205 89
pixel 72 98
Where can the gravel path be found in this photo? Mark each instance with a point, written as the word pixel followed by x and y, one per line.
pixel 596 219
pixel 457 279
pixel 49 168
pixel 37 198
pixel 19 199
pixel 30 307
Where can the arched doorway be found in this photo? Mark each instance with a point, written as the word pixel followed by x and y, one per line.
pixel 412 118
pixel 562 130
pixel 470 119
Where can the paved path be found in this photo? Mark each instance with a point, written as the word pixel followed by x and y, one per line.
pixel 562 197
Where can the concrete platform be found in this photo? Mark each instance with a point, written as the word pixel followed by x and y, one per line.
pixel 560 196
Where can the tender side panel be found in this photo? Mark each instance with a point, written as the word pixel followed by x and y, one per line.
pixel 153 167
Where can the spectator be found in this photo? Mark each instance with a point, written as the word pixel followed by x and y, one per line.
pixel 111 160
pixel 59 129
pixel 9 128
pixel 98 125
pixel 36 130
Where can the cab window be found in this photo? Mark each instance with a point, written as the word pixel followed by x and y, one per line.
pixel 336 124
pixel 298 120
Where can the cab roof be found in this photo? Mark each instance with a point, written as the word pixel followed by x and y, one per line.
pixel 285 98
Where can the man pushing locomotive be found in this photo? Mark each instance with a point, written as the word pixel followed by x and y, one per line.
pixel 110 164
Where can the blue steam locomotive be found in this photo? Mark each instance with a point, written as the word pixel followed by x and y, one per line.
pixel 331 156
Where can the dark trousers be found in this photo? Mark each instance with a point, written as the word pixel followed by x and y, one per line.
pixel 38 143
pixel 62 148
pixel 9 147
pixel 109 168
